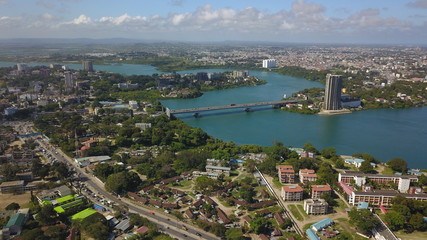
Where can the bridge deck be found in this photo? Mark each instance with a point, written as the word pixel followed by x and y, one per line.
pixel 231 106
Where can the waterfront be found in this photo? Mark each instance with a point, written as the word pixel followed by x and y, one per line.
pixel 385 133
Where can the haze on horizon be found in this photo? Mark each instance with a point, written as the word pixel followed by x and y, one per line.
pixel 305 21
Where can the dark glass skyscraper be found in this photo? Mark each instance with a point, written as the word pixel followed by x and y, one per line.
pixel 333 92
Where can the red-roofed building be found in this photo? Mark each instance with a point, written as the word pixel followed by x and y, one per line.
pixel 142 230
pixel 286 174
pixel 292 193
pixel 305 178
pixel 318 190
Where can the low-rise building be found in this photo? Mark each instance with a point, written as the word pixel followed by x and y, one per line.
pixel 16 187
pixel 292 193
pixel 315 206
pixel 378 198
pixel 318 190
pixel 286 174
pixel 402 181
pixel 218 170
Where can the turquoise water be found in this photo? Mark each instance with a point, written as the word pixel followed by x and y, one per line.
pixel 385 133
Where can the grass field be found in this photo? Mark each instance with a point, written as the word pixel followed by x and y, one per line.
pixel 295 212
pixel 411 236
pixel 301 209
pixel 21 199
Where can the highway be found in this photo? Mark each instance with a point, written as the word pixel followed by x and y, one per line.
pixel 165 223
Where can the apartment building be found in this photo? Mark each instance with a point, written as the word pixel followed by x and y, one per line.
pixel 316 206
pixel 402 181
pixel 292 193
pixel 318 190
pixel 286 174
pixel 307 175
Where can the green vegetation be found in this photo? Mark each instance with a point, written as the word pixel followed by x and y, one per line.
pixel 295 212
pixel 407 214
pixel 398 165
pixel 363 220
pixel 300 72
pixel 301 209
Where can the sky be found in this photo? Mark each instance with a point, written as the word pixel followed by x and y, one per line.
pixel 291 21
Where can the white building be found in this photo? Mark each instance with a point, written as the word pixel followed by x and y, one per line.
pixel 269 63
pixel 22 67
pixel 10 111
pixel 133 104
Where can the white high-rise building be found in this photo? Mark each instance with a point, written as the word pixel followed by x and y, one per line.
pixel 269 63
pixel 22 67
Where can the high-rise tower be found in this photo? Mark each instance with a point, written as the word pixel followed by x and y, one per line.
pixel 333 92
pixel 69 81
pixel 88 66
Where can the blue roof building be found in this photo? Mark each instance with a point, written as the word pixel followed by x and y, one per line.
pixel 311 235
pixel 322 224
pixel 363 205
pixel 15 223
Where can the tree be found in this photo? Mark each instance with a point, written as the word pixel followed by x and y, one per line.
pixel 122 182
pixel 234 234
pixel 417 222
pixel 33 234
pixel 55 233
pixel 329 153
pixel 395 220
pixel 47 216
pixel 102 171
pixel 286 224
pixel 218 229
pixel 326 174
pixel 260 225
pixel 422 180
pixel 310 148
pixel 205 184
pixel 398 164
pixel 329 199
pixel 364 220
pixel 247 193
pixel 13 206
pixel 268 166
pixel 366 167
pixel 339 163
pixel 249 164
pixel 98 231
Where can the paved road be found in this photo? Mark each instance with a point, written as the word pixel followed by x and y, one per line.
pixel 165 224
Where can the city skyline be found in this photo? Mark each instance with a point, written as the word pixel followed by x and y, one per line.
pixel 303 21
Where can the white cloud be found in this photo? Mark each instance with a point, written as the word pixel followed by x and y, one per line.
pixel 304 19
pixel 82 19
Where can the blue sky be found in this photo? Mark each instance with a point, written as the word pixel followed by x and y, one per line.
pixel 308 21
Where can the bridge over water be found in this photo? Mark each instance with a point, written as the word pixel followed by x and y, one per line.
pixel 246 106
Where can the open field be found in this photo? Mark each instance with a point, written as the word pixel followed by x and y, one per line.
pixel 21 199
pixel 411 236
pixel 295 212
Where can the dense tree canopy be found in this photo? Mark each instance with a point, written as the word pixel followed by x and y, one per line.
pixel 398 164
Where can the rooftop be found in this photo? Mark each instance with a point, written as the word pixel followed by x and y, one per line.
pixel 361 174
pixel 321 188
pixel 322 223
pixel 16 220
pixel 12 183
pixel 292 189
pixel 83 214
